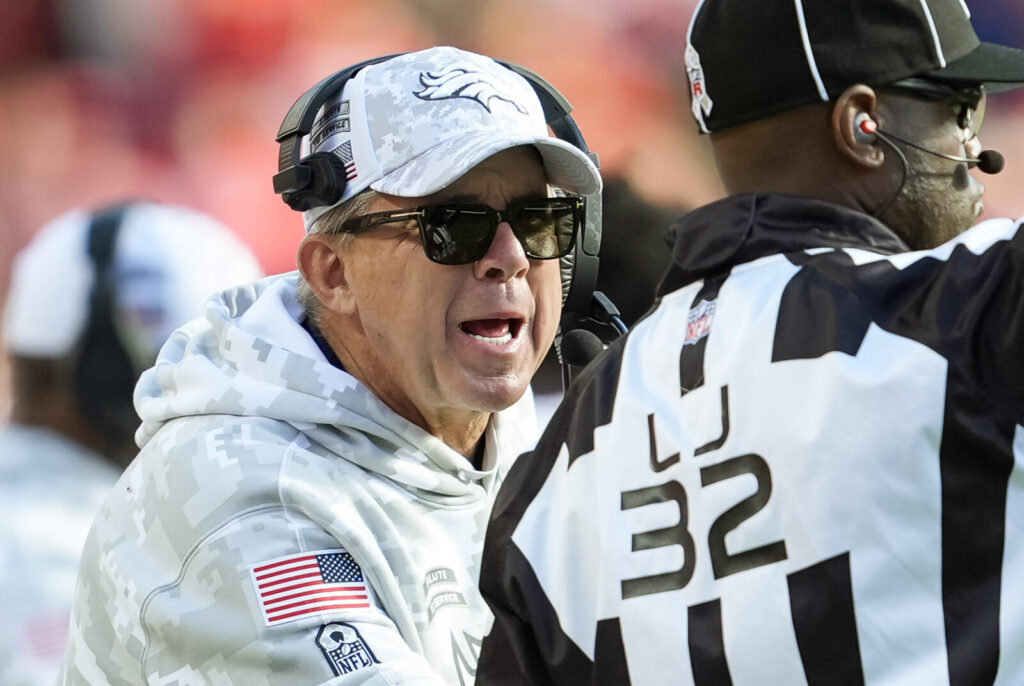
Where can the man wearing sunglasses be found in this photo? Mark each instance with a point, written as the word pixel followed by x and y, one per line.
pixel 321 453
pixel 806 465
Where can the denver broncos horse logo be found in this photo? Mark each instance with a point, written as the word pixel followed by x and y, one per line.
pixel 459 82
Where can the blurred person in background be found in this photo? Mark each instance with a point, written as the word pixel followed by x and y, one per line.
pixel 806 465
pixel 320 455
pixel 93 297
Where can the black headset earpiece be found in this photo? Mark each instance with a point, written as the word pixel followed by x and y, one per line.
pixel 312 181
pixel 104 374
pixel 327 182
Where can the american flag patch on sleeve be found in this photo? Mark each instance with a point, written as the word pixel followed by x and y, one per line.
pixel 296 586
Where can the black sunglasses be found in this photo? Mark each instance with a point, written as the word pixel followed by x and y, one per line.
pixel 459 233
pixel 970 99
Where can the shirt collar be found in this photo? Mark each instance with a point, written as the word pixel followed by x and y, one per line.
pixel 748 226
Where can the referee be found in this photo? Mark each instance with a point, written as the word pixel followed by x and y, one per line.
pixel 806 465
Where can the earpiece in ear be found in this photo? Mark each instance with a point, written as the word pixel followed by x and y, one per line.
pixel 865 128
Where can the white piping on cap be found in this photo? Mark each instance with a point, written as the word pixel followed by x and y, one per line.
pixel 811 63
pixel 693 20
pixel 689 41
pixel 935 34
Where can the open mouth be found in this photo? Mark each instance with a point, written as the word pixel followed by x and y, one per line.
pixel 493 331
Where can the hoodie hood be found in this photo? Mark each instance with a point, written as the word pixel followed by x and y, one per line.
pixel 250 356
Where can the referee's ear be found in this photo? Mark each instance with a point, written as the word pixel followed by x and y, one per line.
pixel 862 151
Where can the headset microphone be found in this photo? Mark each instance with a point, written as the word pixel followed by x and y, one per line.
pixel 577 348
pixel 989 161
pixel 866 131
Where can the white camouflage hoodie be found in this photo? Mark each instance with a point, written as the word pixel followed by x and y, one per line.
pixel 281 525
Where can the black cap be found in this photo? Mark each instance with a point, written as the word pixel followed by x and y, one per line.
pixel 750 59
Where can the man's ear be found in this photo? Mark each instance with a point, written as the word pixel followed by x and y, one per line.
pixel 851 107
pixel 322 263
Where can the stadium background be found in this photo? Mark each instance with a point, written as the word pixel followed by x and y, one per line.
pixel 179 100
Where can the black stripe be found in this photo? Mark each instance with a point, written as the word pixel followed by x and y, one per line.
pixel 536 651
pixel 821 601
pixel 707 646
pixel 610 666
pixel 717 443
pixel 818 315
pixel 691 358
pixel 966 308
pixel 526 633
pixel 587 406
pixel 976 458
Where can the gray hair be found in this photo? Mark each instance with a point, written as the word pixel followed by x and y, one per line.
pixel 330 223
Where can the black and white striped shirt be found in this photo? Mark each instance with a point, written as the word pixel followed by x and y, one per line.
pixel 806 465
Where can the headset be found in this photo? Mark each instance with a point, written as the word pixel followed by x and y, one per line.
pixel 318 180
pixel 104 375
pixel 866 130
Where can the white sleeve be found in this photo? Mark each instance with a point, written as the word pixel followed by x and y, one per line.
pixel 304 608
pixel 215 624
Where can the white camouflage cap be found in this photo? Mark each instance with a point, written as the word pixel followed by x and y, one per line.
pixel 416 123
pixel 167 260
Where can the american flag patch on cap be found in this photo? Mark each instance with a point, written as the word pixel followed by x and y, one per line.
pixel 296 586
pixel 345 153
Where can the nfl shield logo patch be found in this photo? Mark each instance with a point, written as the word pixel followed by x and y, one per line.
pixel 344 648
pixel 698 323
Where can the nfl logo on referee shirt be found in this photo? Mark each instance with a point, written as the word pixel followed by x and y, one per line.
pixel 344 648
pixel 290 588
pixel 698 323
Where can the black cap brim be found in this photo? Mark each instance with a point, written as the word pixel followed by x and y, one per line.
pixel 999 67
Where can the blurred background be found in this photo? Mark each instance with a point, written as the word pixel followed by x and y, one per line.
pixel 180 101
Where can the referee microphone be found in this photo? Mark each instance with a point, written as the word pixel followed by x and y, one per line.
pixel 989 161
pixel 866 129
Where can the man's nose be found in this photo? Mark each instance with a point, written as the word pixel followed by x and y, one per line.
pixel 506 258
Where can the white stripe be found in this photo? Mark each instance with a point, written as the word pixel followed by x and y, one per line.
pixel 693 20
pixel 277 585
pixel 935 34
pixel 1011 656
pixel 290 568
pixel 305 586
pixel 967 10
pixel 313 595
pixel 689 41
pixel 811 63
pixel 324 605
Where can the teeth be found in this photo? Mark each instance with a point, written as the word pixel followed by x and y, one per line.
pixel 499 340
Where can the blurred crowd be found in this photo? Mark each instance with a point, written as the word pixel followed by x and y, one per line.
pixel 179 100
